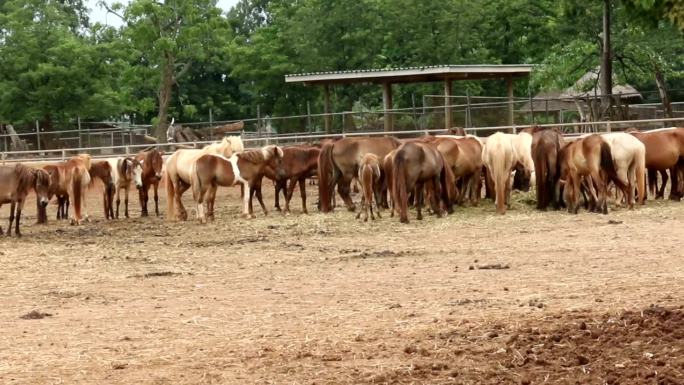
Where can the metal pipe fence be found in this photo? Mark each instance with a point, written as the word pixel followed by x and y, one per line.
pixel 306 137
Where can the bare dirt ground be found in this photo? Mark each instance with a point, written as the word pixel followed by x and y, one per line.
pixel 473 298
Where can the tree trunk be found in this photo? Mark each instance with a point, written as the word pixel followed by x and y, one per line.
pixel 662 90
pixel 606 63
pixel 165 92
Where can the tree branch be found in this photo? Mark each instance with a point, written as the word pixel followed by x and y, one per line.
pixel 109 9
pixel 183 71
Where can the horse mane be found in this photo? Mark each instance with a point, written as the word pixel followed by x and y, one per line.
pixel 87 160
pixel 252 156
pixel 235 143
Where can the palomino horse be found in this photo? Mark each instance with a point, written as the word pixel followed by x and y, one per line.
pixel 71 179
pixel 587 157
pixel 103 171
pixel 178 177
pixel 369 175
pixel 15 184
pixel 127 170
pixel 664 149
pixel 499 156
pixel 151 174
pixel 210 171
pixel 546 146
pixel 629 158
pixel 339 163
pixel 298 163
pixel 417 165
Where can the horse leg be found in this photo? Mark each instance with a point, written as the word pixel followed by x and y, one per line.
pixel 209 197
pixel 181 187
pixel 278 187
pixel 126 202
pixel 17 219
pixel 291 184
pixel 260 198
pixel 13 206
pixel 420 187
pixel 660 194
pixel 674 184
pixel 343 188
pixel 302 191
pixel 246 209
pixel 118 201
pixel 156 198
pixel 142 195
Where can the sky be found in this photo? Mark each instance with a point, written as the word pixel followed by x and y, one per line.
pixel 98 14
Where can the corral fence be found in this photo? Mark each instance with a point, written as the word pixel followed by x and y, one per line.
pixel 252 141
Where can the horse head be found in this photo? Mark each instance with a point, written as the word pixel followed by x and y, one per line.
pixel 135 168
pixel 156 161
pixel 235 143
pixel 273 156
pixel 42 186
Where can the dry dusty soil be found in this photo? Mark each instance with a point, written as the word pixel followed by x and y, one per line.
pixel 525 298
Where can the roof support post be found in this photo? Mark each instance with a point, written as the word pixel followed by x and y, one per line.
pixel 509 86
pixel 326 109
pixel 387 105
pixel 448 119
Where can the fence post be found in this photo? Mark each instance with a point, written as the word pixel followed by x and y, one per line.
pixel 128 151
pixel 468 119
pixel 38 134
pixel 258 119
pixel 308 116
pixel 111 135
pixel 63 155
pixel 4 156
pixel 211 124
pixel 608 129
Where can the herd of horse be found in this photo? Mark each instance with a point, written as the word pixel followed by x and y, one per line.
pixel 395 174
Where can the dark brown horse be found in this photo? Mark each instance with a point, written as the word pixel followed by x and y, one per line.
pixel 664 151
pixel 15 184
pixel 103 171
pixel 210 171
pixel 152 164
pixel 417 165
pixel 546 146
pixel 298 164
pixel 338 164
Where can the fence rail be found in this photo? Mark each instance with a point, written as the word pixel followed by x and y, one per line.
pixel 285 139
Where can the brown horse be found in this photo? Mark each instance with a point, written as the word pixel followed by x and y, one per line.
pixel 464 156
pixel 58 189
pixel 15 184
pixel 103 171
pixel 546 146
pixel 417 165
pixel 151 174
pixel 664 151
pixel 369 175
pixel 587 157
pixel 69 180
pixel 338 165
pixel 298 164
pixel 210 171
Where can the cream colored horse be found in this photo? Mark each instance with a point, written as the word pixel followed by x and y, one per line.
pixel 629 158
pixel 500 156
pixel 178 171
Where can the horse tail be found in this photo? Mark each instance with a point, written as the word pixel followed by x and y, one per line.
pixel 78 182
pixel 640 170
pixel 447 180
pixel 326 177
pixel 400 186
pixel 196 182
pixel 170 194
pixel 608 165
pixel 652 179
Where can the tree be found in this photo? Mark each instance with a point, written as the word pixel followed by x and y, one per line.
pixel 171 36
pixel 44 54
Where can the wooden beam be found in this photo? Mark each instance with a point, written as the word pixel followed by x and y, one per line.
pixel 448 120
pixel 326 109
pixel 509 86
pixel 387 105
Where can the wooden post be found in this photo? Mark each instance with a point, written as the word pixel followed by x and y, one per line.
pixel 509 86
pixel 468 118
pixel 211 124
pixel 387 104
pixel 447 104
pixel 326 109
pixel 308 116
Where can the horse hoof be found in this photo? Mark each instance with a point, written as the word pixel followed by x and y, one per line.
pixel 404 220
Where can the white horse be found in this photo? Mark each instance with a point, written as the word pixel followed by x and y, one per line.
pixel 178 171
pixel 629 158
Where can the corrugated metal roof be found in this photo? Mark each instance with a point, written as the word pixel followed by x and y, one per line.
pixel 441 71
